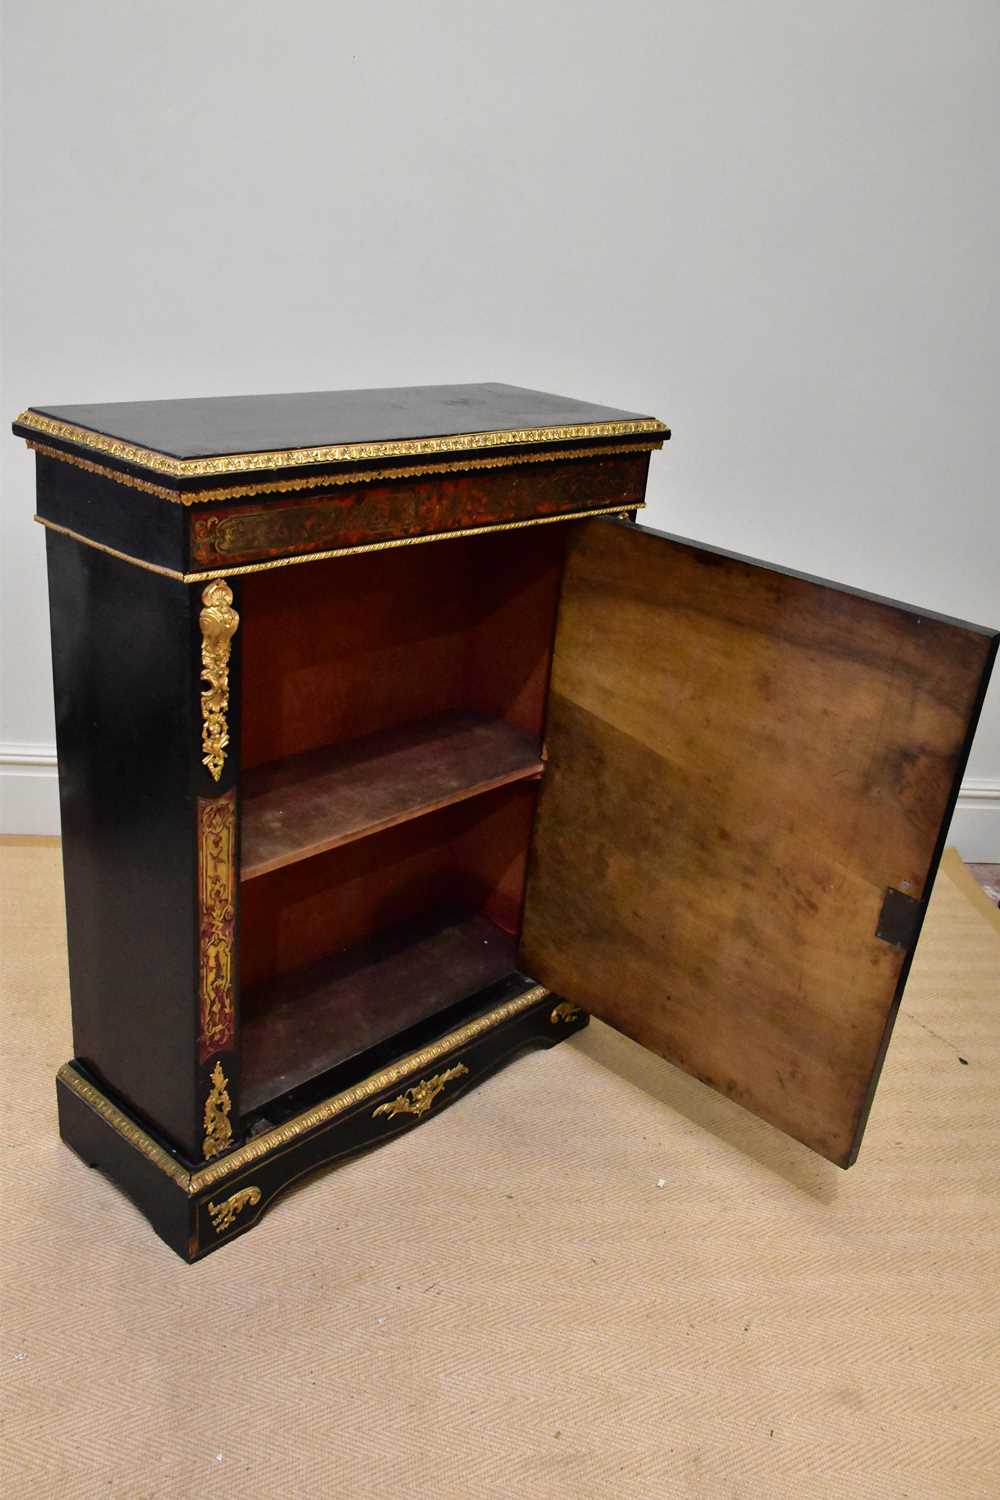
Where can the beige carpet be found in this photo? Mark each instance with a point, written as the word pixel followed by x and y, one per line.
pixel 506 1303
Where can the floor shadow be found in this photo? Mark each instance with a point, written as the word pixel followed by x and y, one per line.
pixel 712 1112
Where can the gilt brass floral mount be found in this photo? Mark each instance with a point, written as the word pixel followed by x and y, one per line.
pixel 224 1214
pixel 216 1123
pixel 218 622
pixel 418 1099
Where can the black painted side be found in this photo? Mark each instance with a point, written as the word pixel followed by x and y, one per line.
pixel 125 662
pixel 164 1203
pixel 140 525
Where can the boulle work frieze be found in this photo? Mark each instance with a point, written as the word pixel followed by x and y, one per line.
pixel 381 511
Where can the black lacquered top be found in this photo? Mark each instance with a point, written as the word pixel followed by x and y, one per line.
pixel 217 434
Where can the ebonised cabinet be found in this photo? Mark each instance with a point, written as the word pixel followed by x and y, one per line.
pixel 390 745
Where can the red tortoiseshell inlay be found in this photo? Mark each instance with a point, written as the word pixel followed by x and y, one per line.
pixel 387 511
pixel 217 921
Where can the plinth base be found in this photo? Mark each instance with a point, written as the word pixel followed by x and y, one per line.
pixel 197 1208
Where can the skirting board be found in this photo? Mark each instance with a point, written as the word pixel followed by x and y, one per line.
pixel 975 828
pixel 29 789
pixel 29 802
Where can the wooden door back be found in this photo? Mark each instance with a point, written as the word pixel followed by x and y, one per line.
pixel 750 774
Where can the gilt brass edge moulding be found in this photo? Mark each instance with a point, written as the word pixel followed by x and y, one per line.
pixel 318 481
pixel 262 1145
pixel 125 1127
pixel 208 574
pixel 129 480
pixel 293 458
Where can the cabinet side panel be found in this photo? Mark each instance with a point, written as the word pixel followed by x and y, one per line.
pixel 112 515
pixel 123 666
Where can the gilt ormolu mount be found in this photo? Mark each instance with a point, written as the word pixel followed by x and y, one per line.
pixel 345 815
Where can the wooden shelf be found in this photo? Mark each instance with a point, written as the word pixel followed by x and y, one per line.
pixel 309 803
pixel 299 1027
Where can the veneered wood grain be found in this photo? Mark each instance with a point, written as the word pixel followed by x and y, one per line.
pixel 354 646
pixel 741 762
pixel 309 803
pixel 470 857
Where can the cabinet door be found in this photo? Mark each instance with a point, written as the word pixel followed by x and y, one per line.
pixel 750 777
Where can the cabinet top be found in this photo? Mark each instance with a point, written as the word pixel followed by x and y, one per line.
pixel 201 436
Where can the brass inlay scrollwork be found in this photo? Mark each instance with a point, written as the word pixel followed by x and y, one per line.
pixel 565 1011
pixel 216 921
pixel 418 1099
pixel 223 1215
pixel 218 621
pixel 216 1123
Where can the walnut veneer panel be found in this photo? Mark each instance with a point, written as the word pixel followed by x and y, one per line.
pixel 741 763
pixel 359 645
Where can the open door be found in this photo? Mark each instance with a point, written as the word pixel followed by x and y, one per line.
pixel 750 777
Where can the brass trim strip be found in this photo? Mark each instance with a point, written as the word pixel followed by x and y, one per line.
pixel 306 557
pixel 263 1144
pixel 137 562
pixel 320 481
pixel 128 1129
pixel 293 458
pixel 412 541
pixel 146 485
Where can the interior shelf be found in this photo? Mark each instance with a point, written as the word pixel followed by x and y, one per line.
pixel 308 803
pixel 298 1027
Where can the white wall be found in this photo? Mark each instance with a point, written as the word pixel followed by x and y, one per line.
pixel 775 225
